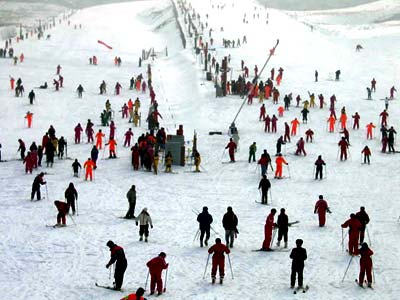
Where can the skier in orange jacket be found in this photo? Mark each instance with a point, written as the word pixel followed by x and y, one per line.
pixel 89 165
pixel 370 127
pixel 112 146
pixel 29 117
pixel 294 123
pixel 279 162
pixel 12 82
pixel 99 139
pixel 343 120
pixel 280 111
pixel 331 121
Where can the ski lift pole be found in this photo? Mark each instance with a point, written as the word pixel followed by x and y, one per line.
pixel 255 78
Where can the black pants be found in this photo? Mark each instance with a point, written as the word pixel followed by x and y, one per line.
pixel 206 232
pixel 35 190
pixel 131 211
pixel 282 233
pixel 22 154
pixel 119 273
pixel 366 159
pixel 362 234
pixel 264 196
pixel 318 173
pixel 144 229
pixel 71 203
pixel 299 271
pixel 252 155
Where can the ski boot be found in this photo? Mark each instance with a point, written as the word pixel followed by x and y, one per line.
pixel 145 239
pixel 206 242
pixel 201 244
pixel 278 243
pixel 285 245
pixel 140 239
pixel 213 280
pixel 221 280
pixel 369 285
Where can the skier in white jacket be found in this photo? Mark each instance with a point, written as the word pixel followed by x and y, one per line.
pixel 144 219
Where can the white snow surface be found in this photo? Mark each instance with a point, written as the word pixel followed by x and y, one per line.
pixel 44 263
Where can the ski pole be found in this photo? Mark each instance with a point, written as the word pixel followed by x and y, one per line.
pixel 351 259
pixel 47 192
pixel 342 241
pixel 72 219
pixel 147 279
pixel 369 238
pixel 205 269
pixel 166 277
pixel 326 175
pixel 288 169
pixel 270 195
pixel 313 172
pixel 195 236
pixel 273 237
pixel 223 153
pixel 230 265
pixel 104 150
pixel 77 210
pixel 373 273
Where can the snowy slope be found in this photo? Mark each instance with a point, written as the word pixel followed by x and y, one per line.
pixel 40 262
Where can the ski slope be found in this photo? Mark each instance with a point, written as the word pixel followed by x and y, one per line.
pixel 40 262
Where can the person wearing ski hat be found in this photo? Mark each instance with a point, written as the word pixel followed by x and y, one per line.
pixel 156 265
pixel 136 296
pixel 205 220
pixel 144 220
pixel 131 195
pixel 230 222
pixel 363 217
pixel 298 256
pixel 321 207
pixel 268 227
pixel 117 257
pixel 37 182
pixel 264 185
pixel 354 226
pixel 218 260
pixel 365 264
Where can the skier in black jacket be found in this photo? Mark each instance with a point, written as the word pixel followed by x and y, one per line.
pixel 283 227
pixel 298 256
pixel 264 185
pixel 363 217
pixel 205 220
pixel 230 222
pixel 71 195
pixel 117 257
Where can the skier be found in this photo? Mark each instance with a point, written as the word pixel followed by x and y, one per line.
pixel 230 222
pixel 298 256
pixel 75 167
pixel 58 70
pixel 262 113
pixel 300 147
pixel 168 162
pixel 321 207
pixel 354 232
pixel 279 144
pixel 346 134
pixel 31 96
pixel 62 143
pixel 29 117
pixel 268 227
pixel 344 145
pixel 28 161
pixel 218 260
pixel 309 135
pixel 319 163
pixel 99 139
pixel 337 75
pixel 392 90
pixel 252 152
pixel 131 195
pixel 331 121
pixel 232 148
pixel 80 91
pixel 363 217
pixel 279 162
pixel 205 220
pixel 94 155
pixel 156 265
pixel 117 257
pixel 136 296
pixel 37 182
pixel 391 132
pixel 128 136
pixel 294 123
pixel 384 115
pixel 144 219
pixel 304 113
pixel 71 195
pixel 112 148
pixel 264 185
pixel 63 209
pixel 316 76
pixel 89 165
pixel 343 120
pixel 367 153
pixel 78 129
pixel 274 121
pixel 356 123
pixel 283 228
pixel 369 97
pixel 267 121
pixel 365 264
pixel 89 131
pixel 197 161
pixel 287 133
pixel 373 85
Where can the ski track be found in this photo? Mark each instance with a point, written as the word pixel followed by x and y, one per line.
pixel 40 262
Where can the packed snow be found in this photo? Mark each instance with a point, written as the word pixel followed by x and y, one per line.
pixel 41 262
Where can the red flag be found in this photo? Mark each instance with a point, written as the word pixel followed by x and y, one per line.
pixel 104 44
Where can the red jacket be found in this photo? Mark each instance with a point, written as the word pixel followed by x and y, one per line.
pixel 269 222
pixel 63 207
pixel 365 259
pixel 219 250
pixel 231 146
pixel 321 206
pixel 156 265
pixel 354 226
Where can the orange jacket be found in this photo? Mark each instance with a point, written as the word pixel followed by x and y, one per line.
pixel 295 123
pixel 89 165
pixel 29 116
pixel 280 160
pixel 331 120
pixel 112 144
pixel 370 126
pixel 99 135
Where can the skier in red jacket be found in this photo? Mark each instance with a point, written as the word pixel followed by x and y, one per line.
pixel 78 129
pixel 218 260
pixel 268 227
pixel 262 112
pixel 343 148
pixel 354 226
pixel 232 148
pixel 309 135
pixel 128 136
pixel 63 208
pixel 365 264
pixel 321 207
pixel 156 265
pixel 300 147
pixel 384 115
